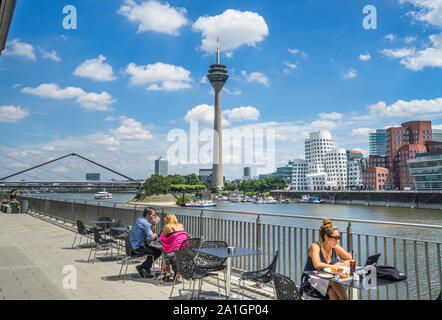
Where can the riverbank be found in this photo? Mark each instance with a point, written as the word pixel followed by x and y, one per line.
pixel 398 199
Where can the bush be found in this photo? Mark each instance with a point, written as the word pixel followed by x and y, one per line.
pixel 5 201
pixel 180 200
pixel 14 204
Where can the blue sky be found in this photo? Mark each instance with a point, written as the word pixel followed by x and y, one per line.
pixel 132 71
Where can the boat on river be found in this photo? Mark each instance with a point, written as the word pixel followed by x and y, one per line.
pixel 103 195
pixel 308 199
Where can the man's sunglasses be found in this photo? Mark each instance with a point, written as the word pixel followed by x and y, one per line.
pixel 335 237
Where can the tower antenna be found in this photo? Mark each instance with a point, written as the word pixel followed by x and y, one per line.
pixel 217 51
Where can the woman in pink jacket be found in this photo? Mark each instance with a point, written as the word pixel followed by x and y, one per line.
pixel 171 239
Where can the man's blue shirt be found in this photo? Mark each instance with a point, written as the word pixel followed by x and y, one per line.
pixel 141 230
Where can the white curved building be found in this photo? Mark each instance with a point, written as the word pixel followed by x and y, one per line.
pixel 327 166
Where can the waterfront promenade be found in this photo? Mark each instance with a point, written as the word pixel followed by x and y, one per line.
pixel 34 253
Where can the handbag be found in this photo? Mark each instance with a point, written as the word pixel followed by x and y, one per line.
pixel 389 273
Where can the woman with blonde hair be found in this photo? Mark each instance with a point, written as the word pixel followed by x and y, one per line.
pixel 171 239
pixel 325 254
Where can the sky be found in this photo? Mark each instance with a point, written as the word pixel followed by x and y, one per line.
pixel 123 82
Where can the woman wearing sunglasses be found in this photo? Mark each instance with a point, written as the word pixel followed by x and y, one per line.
pixel 323 254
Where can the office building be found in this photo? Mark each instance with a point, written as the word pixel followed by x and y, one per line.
pixel 437 135
pixel 354 170
pixel 376 142
pixel 299 172
pixel 247 173
pixel 161 167
pixel 205 175
pixel 426 171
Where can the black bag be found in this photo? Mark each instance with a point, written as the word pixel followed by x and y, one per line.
pixel 389 273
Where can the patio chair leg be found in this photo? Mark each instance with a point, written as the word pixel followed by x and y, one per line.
pixel 219 292
pixel 90 252
pixel 121 268
pixel 125 272
pixel 190 286
pixel 74 241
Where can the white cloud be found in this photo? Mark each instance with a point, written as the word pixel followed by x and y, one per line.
pixel 391 37
pixel 50 55
pixel 398 53
pixel 331 116
pixel 131 129
pixel 90 101
pixel 154 16
pixel 404 109
pixel 96 101
pixel 410 39
pixel 429 12
pixel 365 57
pixel 17 48
pixel 242 113
pixel 349 74
pixel 160 76
pixel 16 85
pixel 235 29
pixel 204 114
pixel 204 80
pixel 234 92
pixel 290 66
pixel 95 69
pixel 53 91
pixel 296 51
pixel 258 77
pixel 12 113
pixel 362 132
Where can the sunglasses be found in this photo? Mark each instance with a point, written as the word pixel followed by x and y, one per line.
pixel 335 237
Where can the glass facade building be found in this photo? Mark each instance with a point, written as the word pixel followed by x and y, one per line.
pixel 377 142
pixel 161 167
pixel 426 171
pixel 437 135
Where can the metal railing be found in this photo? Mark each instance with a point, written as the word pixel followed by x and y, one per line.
pixel 420 260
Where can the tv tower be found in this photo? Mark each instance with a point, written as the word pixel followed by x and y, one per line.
pixel 217 77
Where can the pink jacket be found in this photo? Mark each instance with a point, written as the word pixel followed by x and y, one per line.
pixel 173 241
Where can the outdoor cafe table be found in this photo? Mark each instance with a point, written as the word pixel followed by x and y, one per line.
pixel 224 253
pixel 358 284
pixel 120 228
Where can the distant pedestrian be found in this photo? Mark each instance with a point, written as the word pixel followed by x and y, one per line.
pixel 13 197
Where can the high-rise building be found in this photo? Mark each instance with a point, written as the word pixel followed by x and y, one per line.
pixel 376 141
pixel 299 172
pixel 205 175
pixel 217 77
pixel 437 135
pixel 401 143
pixel 161 167
pixel 327 166
pixel 426 171
pixel 354 169
pixel 247 173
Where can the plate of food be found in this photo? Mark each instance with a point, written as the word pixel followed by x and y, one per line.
pixel 337 270
pixel 325 275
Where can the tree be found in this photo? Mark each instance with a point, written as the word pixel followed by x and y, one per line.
pixel 193 179
pixel 156 184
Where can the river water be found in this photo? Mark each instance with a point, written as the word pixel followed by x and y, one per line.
pixel 351 212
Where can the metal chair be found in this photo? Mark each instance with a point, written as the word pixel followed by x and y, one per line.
pixel 101 244
pixel 285 288
pixel 131 254
pixel 189 244
pixel 82 231
pixel 261 276
pixel 190 271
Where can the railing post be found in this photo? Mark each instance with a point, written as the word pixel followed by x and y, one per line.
pixel 135 215
pixel 349 238
pixel 258 241
pixel 202 220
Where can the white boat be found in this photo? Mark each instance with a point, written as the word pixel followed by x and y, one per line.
pixel 308 199
pixel 103 195
pixel 235 199
pixel 259 201
pixel 201 204
pixel 271 200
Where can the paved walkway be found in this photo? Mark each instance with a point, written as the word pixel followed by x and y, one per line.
pixel 34 253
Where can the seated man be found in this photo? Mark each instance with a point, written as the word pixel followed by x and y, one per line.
pixel 143 231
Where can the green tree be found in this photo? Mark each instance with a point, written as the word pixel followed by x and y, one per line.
pixel 156 184
pixel 193 179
